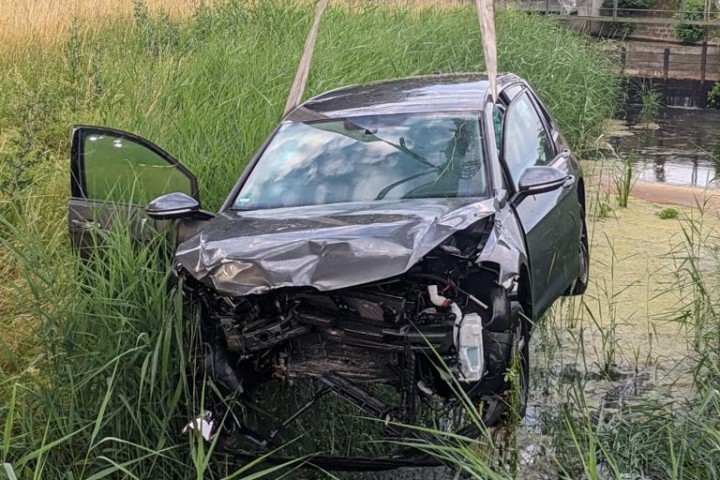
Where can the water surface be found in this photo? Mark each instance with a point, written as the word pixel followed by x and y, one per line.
pixel 681 148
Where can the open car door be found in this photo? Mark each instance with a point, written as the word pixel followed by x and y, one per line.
pixel 114 175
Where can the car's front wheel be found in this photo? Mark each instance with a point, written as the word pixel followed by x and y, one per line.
pixel 511 397
pixel 521 360
pixel 580 284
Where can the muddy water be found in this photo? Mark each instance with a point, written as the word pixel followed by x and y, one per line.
pixel 620 343
pixel 617 344
pixel 682 147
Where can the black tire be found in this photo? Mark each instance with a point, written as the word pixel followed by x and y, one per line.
pixel 522 349
pixel 497 406
pixel 580 284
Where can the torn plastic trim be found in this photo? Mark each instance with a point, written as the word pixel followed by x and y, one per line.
pixel 203 423
pixel 505 248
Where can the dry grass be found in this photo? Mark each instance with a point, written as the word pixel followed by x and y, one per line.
pixel 40 24
pixel 44 23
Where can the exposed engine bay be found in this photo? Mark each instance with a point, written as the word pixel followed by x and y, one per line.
pixel 448 313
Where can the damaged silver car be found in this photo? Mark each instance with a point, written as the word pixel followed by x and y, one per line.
pixel 406 233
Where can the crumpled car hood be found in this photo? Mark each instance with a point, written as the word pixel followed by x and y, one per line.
pixel 327 246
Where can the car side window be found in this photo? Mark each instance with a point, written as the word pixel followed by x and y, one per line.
pixel 498 116
pixel 120 169
pixel 526 142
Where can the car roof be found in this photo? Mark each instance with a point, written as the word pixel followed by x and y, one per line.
pixel 464 92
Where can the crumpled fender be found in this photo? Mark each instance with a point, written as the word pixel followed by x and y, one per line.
pixel 505 248
pixel 327 247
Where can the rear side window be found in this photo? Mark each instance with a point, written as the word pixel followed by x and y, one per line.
pixel 526 142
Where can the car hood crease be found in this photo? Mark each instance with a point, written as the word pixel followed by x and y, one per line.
pixel 327 247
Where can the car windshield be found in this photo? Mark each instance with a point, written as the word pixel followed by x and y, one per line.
pixel 368 158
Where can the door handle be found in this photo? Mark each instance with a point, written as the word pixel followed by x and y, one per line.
pixel 569 181
pixel 84 224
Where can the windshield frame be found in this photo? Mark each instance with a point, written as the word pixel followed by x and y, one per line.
pixel 489 156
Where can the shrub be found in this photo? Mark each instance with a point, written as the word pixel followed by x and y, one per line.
pixel 668 213
pixel 626 8
pixel 694 10
pixel 714 95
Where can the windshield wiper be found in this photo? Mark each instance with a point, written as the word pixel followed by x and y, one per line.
pixel 362 134
pixel 410 153
pixel 387 189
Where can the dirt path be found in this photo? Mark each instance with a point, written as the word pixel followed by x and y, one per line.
pixel 674 195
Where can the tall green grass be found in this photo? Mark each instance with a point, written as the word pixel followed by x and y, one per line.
pixel 110 379
pixel 116 379
pixel 211 89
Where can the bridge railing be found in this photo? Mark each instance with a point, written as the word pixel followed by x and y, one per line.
pixel 606 11
pixel 670 62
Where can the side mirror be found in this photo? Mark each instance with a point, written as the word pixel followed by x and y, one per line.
pixel 172 206
pixel 536 180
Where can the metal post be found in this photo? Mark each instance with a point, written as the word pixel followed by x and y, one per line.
pixel 666 63
pixel 547 7
pixel 682 10
pixel 623 58
pixel 703 62
pixel 615 8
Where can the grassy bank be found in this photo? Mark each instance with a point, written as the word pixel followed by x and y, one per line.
pixel 95 380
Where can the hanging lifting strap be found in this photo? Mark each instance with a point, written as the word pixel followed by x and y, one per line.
pixel 298 86
pixel 486 17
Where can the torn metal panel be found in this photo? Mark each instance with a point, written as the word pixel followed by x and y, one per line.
pixel 327 247
pixel 505 247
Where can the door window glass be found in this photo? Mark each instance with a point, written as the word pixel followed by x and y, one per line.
pixel 526 142
pixel 498 114
pixel 119 169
